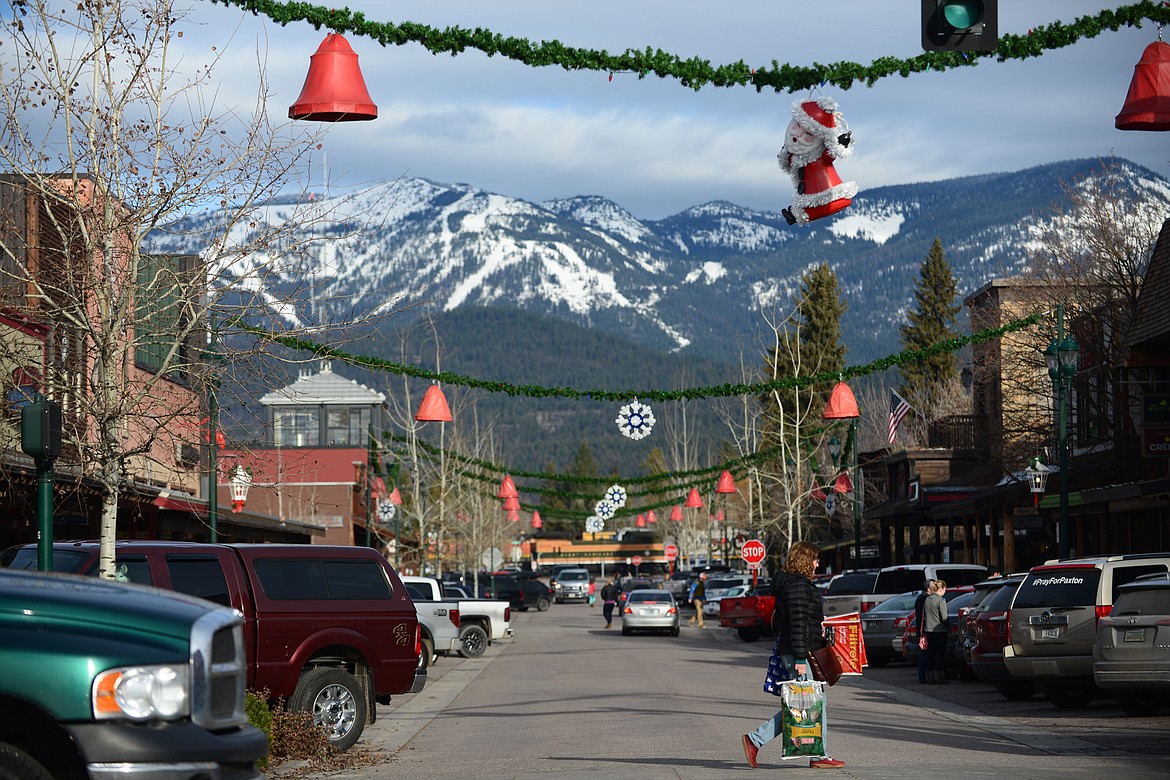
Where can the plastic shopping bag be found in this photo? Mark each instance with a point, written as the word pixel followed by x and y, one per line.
pixel 804 727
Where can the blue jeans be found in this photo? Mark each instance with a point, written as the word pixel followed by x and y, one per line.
pixel 767 731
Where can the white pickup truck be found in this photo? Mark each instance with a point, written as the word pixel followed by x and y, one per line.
pixel 481 621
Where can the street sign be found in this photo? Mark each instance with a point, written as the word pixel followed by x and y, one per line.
pixel 753 551
pixel 670 551
pixel 636 560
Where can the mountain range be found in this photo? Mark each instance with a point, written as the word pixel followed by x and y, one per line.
pixel 695 289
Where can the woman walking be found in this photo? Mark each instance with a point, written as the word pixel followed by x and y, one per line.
pixel 936 628
pixel 798 619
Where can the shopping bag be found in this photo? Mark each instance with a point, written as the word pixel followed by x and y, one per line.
pixel 847 642
pixel 777 672
pixel 825 665
pixel 804 728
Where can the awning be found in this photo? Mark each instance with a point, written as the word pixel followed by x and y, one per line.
pixel 178 501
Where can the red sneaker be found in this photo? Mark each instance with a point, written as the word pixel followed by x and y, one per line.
pixel 749 751
pixel 826 763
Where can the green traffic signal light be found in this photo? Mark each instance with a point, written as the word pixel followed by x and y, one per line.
pixel 960 25
pixel 963 15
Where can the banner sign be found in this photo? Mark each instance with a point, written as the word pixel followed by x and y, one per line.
pixel 848 644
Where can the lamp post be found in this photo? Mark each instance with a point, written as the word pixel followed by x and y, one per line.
pixel 843 406
pixel 1061 357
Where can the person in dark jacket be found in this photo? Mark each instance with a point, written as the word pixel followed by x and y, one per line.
pixel 919 603
pixel 609 597
pixel 798 618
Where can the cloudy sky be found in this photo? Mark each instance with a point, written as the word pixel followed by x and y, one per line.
pixel 657 147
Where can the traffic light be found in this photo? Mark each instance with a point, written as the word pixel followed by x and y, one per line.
pixel 40 429
pixel 960 25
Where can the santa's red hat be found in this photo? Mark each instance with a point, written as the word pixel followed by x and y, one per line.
pixel 821 118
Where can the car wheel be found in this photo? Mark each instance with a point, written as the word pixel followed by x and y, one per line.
pixel 1139 704
pixel 1069 697
pixel 674 631
pixel 749 634
pixel 427 655
pixel 473 641
pixel 335 701
pixel 626 631
pixel 15 764
pixel 1017 691
pixel 542 604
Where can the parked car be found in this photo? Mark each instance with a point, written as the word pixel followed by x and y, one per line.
pixel 956 598
pixel 571 585
pixel 990 636
pixel 1052 626
pixel 718 584
pixel 520 593
pixel 893 580
pixel 330 629
pixel 456 592
pixel 968 614
pixel 678 584
pixel 711 605
pixel 843 593
pixel 650 610
pixel 880 627
pixel 1132 650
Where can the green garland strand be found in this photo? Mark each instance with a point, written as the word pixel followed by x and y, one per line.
pixel 902 358
pixel 695 72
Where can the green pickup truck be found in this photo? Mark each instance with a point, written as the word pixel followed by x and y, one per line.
pixel 103 680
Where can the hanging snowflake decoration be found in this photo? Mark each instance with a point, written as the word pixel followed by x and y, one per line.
pixel 635 420
pixel 604 509
pixel 616 495
pixel 594 524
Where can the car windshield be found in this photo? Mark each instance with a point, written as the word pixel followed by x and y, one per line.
pixel 724 584
pixel 1147 601
pixel 649 596
pixel 573 575
pixel 1001 597
pixel 900 604
pixel 1052 587
pixel 636 585
pixel 852 585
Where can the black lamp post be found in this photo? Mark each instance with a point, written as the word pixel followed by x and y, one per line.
pixel 1061 357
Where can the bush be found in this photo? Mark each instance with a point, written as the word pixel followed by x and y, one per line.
pixel 292 735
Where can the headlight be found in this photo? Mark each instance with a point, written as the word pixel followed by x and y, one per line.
pixel 142 693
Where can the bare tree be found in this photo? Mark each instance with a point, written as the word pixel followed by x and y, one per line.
pixel 107 144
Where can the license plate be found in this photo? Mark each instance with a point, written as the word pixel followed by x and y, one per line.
pixel 1134 635
pixel 648 612
pixel 1050 633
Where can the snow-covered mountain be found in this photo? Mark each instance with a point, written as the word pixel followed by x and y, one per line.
pixel 700 281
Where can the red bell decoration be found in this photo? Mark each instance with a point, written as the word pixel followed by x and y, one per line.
pixel 842 405
pixel 513 515
pixel 676 514
pixel 726 483
pixel 640 522
pixel 395 497
pixel 334 89
pixel 536 521
pixel 693 501
pixel 651 517
pixel 434 406
pixel 511 503
pixel 843 484
pixel 1147 105
pixel 507 488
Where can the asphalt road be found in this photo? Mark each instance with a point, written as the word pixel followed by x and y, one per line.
pixel 568 699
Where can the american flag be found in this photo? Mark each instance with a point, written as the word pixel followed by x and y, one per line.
pixel 898 411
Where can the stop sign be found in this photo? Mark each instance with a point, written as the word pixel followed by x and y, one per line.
pixel 670 551
pixel 636 560
pixel 753 551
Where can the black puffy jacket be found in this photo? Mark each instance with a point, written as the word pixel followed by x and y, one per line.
pixel 799 614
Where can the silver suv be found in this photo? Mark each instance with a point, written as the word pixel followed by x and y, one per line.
pixel 1052 624
pixel 1133 646
pixel 571 585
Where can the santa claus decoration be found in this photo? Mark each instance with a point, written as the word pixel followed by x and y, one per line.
pixel 816 136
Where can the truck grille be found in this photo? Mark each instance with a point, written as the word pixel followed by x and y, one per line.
pixel 218 671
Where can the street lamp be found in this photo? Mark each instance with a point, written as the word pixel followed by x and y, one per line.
pixel 843 406
pixel 1061 357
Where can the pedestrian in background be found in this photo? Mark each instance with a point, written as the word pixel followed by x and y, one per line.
pixel 609 597
pixel 698 597
pixel 592 592
pixel 919 603
pixel 937 629
pixel 798 617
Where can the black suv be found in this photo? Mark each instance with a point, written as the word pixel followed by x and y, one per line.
pixel 520 592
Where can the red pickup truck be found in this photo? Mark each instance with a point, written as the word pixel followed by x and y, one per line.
pixel 750 615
